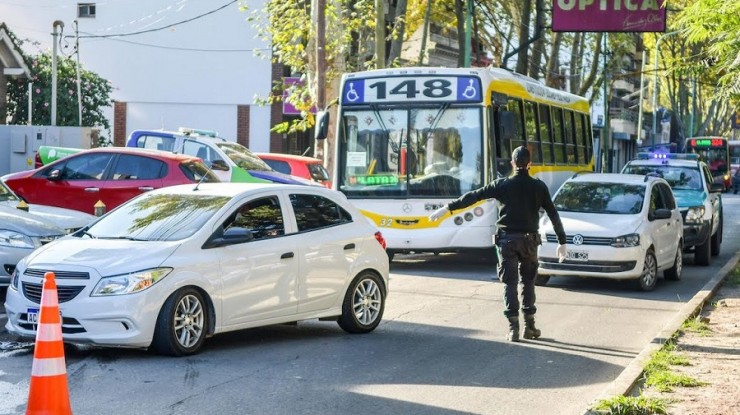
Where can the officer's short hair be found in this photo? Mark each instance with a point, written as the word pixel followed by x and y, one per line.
pixel 520 156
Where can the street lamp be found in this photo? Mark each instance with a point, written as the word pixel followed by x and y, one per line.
pixel 655 84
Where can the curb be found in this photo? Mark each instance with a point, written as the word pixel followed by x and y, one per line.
pixel 629 377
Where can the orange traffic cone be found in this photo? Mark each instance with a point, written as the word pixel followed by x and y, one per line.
pixel 48 393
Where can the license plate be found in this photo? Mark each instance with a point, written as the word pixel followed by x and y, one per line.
pixel 33 315
pixel 581 256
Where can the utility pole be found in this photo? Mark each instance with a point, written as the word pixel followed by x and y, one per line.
pixel 606 142
pixel 79 81
pixel 54 34
pixel 468 33
pixel 639 105
pixel 379 34
pixel 320 69
pixel 655 84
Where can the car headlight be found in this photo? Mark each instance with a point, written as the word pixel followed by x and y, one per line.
pixel 625 241
pixel 14 279
pixel 129 283
pixel 15 240
pixel 695 214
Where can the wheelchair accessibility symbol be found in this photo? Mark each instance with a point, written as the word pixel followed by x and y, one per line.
pixel 470 91
pixel 352 95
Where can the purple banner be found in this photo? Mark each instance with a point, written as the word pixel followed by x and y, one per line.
pixel 288 108
pixel 608 15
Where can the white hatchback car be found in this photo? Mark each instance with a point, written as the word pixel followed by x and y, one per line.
pixel 618 226
pixel 178 264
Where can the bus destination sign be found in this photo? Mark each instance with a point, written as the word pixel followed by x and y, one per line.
pixel 418 88
pixel 707 142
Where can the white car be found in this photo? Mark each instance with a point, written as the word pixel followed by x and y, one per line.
pixel 178 264
pixel 22 231
pixel 618 226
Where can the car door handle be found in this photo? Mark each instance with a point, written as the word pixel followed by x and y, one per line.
pixel 92 189
pixel 286 255
pixel 145 188
pixel 349 246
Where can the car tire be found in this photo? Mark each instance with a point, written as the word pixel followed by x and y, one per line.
pixel 674 273
pixel 363 304
pixel 702 253
pixel 646 281
pixel 717 240
pixel 541 280
pixel 182 324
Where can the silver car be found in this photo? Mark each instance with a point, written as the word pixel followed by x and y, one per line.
pixel 21 232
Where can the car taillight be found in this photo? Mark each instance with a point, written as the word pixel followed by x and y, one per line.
pixel 380 239
pixel 37 161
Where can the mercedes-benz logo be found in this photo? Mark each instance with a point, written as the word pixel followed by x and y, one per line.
pixel 406 208
pixel 578 239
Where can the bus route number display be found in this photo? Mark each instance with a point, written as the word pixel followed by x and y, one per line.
pixel 412 89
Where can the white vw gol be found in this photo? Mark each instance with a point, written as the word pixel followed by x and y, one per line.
pixel 619 226
pixel 178 264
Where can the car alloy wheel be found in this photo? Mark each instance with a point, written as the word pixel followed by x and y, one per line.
pixel 649 275
pixel 363 304
pixel 181 325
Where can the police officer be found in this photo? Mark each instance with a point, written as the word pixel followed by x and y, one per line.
pixel 520 198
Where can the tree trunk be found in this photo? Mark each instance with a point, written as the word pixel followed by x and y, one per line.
pixel 576 61
pixel 522 62
pixel 538 47
pixel 399 31
pixel 552 73
pixel 460 14
pixel 588 83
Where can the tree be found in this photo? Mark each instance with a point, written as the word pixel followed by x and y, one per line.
pixel 95 95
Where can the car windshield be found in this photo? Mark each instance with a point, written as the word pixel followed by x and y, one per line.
pixel 679 178
pixel 158 217
pixel 198 172
pixel 594 197
pixel 6 194
pixel 242 157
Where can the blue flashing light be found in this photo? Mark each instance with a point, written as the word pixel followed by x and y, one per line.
pixel 663 156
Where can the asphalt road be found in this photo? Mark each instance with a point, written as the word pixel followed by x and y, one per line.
pixel 440 350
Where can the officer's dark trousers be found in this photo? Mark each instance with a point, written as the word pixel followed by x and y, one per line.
pixel 518 255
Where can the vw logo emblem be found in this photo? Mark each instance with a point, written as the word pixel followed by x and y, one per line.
pixel 406 208
pixel 578 239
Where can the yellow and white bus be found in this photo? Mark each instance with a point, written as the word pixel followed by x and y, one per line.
pixel 411 139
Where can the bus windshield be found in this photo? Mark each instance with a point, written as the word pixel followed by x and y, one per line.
pixel 393 151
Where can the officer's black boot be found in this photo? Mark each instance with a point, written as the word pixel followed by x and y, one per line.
pixel 530 331
pixel 513 335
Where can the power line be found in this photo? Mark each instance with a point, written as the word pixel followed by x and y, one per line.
pixel 187 49
pixel 163 27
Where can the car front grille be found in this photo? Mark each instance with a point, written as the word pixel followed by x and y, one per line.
pixel 69 325
pixel 64 292
pixel 72 275
pixel 590 266
pixel 587 240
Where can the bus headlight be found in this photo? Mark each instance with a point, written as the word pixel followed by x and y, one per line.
pixel 695 214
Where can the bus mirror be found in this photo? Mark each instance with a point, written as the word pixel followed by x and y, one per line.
pixel 321 129
pixel 508 123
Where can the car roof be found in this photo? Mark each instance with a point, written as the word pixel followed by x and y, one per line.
pixel 161 154
pixel 612 178
pixel 286 157
pixel 233 189
pixel 666 162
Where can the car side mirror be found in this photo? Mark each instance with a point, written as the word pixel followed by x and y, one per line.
pixel 716 188
pixel 55 175
pixel 219 165
pixel 231 236
pixel 660 214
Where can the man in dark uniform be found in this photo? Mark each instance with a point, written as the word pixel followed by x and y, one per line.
pixel 520 198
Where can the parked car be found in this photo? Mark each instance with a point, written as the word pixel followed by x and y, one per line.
pixel 618 226
pixel 23 231
pixel 306 167
pixel 698 198
pixel 176 265
pixel 112 175
pixel 231 161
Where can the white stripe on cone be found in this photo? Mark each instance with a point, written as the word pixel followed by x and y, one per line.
pixel 46 298
pixel 48 367
pixel 48 332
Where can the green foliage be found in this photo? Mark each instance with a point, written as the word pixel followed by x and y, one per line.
pixel 733 280
pixel 631 405
pixel 696 325
pixel 658 373
pixel 95 95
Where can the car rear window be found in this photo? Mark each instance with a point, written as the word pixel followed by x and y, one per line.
pixel 197 172
pixel 593 197
pixel 679 178
pixel 278 165
pixel 318 172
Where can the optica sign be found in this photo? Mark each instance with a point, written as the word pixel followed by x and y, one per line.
pixel 608 15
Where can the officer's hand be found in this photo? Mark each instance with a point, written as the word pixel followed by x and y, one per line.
pixel 562 251
pixel 439 213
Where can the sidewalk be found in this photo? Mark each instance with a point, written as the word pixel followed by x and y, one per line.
pixel 713 355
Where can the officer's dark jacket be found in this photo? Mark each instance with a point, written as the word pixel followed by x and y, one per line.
pixel 521 197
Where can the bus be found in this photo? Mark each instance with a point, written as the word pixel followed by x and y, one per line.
pixel 410 140
pixel 734 146
pixel 715 151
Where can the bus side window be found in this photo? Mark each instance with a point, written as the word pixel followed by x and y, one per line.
pixel 533 139
pixel 545 134
pixel 557 130
pixel 570 144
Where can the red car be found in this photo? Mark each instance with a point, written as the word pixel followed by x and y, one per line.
pixel 301 166
pixel 112 175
